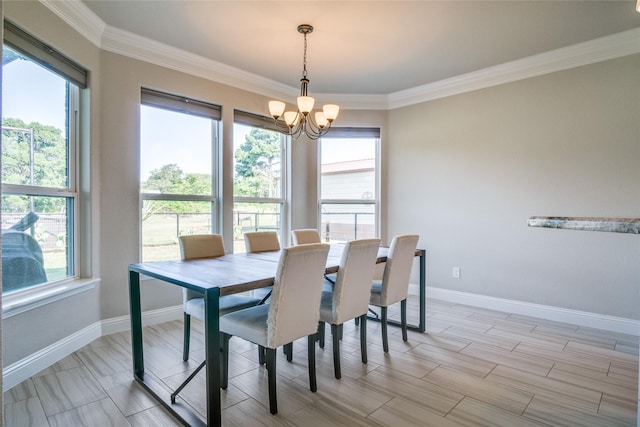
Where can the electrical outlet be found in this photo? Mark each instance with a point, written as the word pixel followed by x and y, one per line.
pixel 455 272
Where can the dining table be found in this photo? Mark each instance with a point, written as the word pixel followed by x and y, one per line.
pixel 213 278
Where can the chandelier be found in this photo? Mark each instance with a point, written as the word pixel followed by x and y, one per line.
pixel 295 123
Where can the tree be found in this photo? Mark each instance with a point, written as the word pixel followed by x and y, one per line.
pixel 49 167
pixel 170 179
pixel 258 164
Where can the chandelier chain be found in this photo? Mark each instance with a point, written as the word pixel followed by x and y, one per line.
pixel 304 62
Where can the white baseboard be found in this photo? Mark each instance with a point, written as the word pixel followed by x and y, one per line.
pixel 152 317
pixel 575 317
pixel 19 371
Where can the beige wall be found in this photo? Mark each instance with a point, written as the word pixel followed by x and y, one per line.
pixel 467 171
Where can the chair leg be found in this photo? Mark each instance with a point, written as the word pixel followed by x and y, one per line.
pixel 363 337
pixel 357 321
pixel 321 334
pixel 261 355
pixel 288 350
pixel 403 318
pixel 187 336
pixel 224 365
pixel 311 350
pixel 271 374
pixel 385 340
pixel 335 334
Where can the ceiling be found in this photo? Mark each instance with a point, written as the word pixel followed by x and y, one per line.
pixel 366 47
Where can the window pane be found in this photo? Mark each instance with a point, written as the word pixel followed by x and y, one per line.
pixel 34 136
pixel 257 162
pixel 163 221
pixel 248 217
pixel 342 222
pixel 175 152
pixel 348 168
pixel 36 240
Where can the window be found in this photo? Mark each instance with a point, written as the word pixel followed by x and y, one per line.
pixel 40 95
pixel 258 177
pixel 349 184
pixel 178 171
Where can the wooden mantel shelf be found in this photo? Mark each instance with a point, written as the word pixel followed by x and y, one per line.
pixel 613 225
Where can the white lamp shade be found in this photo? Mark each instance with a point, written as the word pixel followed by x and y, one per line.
pixel 305 104
pixel 291 118
pixel 331 111
pixel 276 108
pixel 321 119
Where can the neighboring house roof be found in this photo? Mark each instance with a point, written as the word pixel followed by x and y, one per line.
pixel 348 167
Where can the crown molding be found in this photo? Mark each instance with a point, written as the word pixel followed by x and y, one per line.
pixel 79 17
pixel 115 40
pixel 597 50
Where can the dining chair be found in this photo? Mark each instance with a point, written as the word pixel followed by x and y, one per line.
pixel 350 296
pixel 304 236
pixel 394 286
pixel 261 241
pixel 292 313
pixel 198 247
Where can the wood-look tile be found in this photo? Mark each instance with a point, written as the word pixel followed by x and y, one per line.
pixel 153 417
pixel 623 370
pixel 629 382
pixel 554 413
pixel 119 338
pixel 575 336
pixel 436 398
pixel 586 400
pixel 126 393
pixel 483 389
pixel 324 413
pixel 250 413
pixel 539 322
pixel 625 347
pixel 600 384
pixel 555 343
pixel 355 395
pixel 165 361
pixel 454 360
pixel 71 361
pixel 194 393
pixel 25 413
pixel 575 347
pixel 23 391
pixel 102 413
pixel 106 360
pixel 292 395
pixel 473 336
pixel 474 413
pixel 618 336
pixel 619 409
pixel 400 412
pixel 500 356
pixel 464 322
pixel 407 363
pixel 65 390
pixel 578 359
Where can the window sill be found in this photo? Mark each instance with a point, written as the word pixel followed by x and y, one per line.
pixel 24 301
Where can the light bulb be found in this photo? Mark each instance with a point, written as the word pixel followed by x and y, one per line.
pixel 305 104
pixel 291 118
pixel 331 111
pixel 321 119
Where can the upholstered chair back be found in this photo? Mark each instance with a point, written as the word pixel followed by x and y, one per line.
pixel 199 246
pixel 397 271
pixel 305 236
pixel 294 309
pixel 261 241
pixel 353 281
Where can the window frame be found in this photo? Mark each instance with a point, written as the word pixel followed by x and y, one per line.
pixel 352 133
pixel 262 122
pixel 76 78
pixel 185 105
